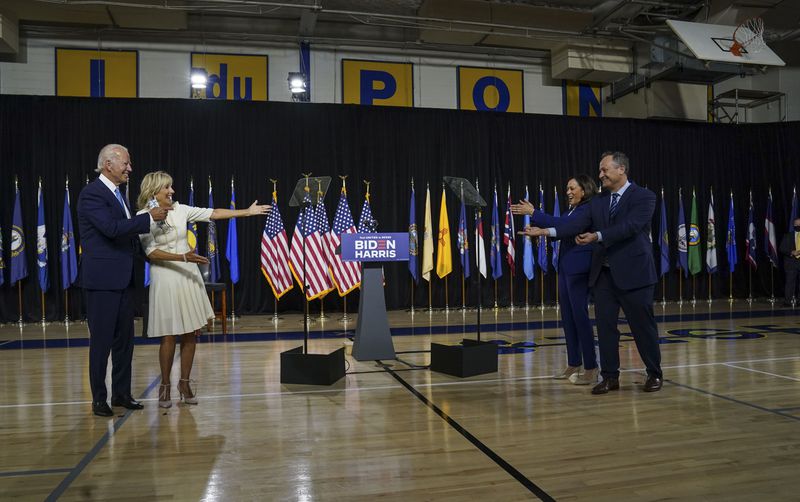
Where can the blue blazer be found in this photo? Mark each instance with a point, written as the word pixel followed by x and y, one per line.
pixel 109 239
pixel 572 259
pixel 626 243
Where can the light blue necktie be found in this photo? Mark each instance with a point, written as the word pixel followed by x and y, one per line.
pixel 614 202
pixel 121 202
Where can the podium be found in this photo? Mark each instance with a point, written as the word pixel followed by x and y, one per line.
pixel 472 357
pixel 373 337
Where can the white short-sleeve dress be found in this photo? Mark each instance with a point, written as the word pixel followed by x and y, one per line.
pixel 178 300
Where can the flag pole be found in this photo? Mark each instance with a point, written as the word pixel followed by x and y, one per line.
pixel 430 297
pixel 772 284
pixel 511 291
pixel 749 285
pixel 730 287
pixel 541 283
pixel 557 305
pixel 446 302
pixel 495 295
pixel 710 300
pixel 44 321
pixel 66 307
pixel 322 315
pixel 527 306
pixel 694 291
pixel 664 290
pixel 19 294
pixel 463 292
pixel 346 318
pixel 680 287
pixel 275 317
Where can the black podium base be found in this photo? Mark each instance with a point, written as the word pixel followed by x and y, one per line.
pixel 470 359
pixel 312 369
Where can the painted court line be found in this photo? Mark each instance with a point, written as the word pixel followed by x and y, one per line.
pixel 762 372
pixel 76 471
pixel 388 387
pixel 13 474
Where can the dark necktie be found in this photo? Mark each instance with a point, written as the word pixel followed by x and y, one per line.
pixel 612 211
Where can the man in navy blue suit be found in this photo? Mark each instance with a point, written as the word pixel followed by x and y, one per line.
pixel 623 273
pixel 109 242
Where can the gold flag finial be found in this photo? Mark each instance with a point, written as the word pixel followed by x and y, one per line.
pixel 274 189
pixel 344 183
pixel 368 183
pixel 306 176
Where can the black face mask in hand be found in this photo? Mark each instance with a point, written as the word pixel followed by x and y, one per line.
pixel 797 228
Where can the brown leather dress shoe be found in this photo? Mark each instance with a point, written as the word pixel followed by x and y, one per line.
pixel 652 384
pixel 606 385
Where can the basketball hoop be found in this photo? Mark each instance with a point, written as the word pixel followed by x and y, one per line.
pixel 750 36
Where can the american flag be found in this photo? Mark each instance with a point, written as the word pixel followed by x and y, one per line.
pixel 315 262
pixel 366 223
pixel 275 252
pixel 347 274
pixel 322 233
pixel 508 234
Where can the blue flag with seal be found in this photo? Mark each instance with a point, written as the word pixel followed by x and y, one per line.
pixel 495 256
pixel 413 237
pixel 232 245
pixel 730 239
pixel 663 239
pixel 211 243
pixel 41 243
pixel 19 262
pixel 542 258
pixel 683 244
pixel 69 262
pixel 556 243
pixel 528 267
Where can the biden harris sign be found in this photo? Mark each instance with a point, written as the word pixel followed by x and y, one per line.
pixel 375 247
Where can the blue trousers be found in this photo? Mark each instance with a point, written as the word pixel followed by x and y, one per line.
pixel 575 317
pixel 110 318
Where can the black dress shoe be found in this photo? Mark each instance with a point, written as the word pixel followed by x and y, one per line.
pixel 606 385
pixel 102 409
pixel 126 402
pixel 652 384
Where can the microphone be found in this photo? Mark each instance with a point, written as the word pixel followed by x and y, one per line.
pixel 153 203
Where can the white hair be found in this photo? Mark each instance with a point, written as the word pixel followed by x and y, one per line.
pixel 106 153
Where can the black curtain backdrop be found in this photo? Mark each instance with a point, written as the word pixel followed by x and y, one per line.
pixel 59 137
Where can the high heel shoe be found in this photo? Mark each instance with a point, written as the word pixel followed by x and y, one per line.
pixel 187 397
pixel 163 396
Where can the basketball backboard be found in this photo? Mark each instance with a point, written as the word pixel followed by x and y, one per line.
pixel 712 42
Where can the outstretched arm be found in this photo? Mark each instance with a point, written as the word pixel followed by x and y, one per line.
pixel 253 210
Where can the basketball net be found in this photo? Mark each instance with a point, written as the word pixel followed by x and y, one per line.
pixel 748 36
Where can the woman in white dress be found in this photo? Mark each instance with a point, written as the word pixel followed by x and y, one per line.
pixel 179 304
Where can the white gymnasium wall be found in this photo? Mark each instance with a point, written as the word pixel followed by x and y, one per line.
pixel 164 72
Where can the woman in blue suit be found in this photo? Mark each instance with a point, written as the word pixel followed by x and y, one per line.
pixel 573 281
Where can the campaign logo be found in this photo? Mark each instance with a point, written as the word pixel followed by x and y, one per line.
pixel 375 247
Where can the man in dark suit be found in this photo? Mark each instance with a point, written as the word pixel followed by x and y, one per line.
pixel 109 241
pixel 790 249
pixel 623 272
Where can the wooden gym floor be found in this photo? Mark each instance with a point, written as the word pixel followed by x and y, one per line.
pixel 726 425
